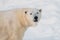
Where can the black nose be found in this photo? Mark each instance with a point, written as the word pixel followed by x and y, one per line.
pixel 36 17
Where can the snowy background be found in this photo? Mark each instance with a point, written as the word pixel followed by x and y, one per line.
pixel 49 26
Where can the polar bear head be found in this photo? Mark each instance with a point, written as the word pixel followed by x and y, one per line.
pixel 34 15
pixel 29 16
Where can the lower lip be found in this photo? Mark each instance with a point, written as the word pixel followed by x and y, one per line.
pixel 35 20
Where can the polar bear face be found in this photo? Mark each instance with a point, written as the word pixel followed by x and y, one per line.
pixel 35 14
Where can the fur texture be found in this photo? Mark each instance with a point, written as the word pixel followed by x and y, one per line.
pixel 13 23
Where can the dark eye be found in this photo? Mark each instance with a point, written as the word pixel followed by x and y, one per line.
pixel 25 12
pixel 30 13
pixel 37 13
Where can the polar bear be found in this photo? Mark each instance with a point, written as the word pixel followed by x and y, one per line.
pixel 14 22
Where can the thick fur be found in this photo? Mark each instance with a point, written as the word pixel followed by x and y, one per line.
pixel 13 23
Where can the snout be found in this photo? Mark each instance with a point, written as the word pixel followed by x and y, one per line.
pixel 36 19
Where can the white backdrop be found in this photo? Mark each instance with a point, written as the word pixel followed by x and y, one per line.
pixel 49 25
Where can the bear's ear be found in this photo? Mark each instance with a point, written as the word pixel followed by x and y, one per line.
pixel 40 10
pixel 25 12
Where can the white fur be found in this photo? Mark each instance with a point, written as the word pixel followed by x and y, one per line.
pixel 13 23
